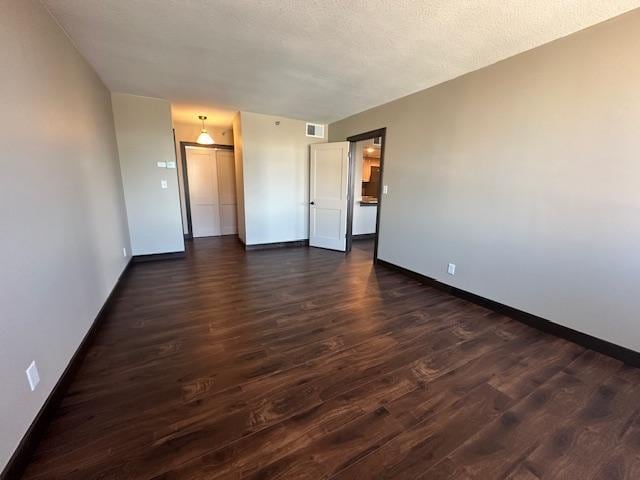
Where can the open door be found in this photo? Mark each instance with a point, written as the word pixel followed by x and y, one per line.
pixel 328 195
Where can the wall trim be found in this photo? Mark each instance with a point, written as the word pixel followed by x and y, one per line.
pixel 270 246
pixel 21 456
pixel 626 355
pixel 158 256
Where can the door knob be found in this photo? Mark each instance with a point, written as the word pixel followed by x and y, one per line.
pixel 312 203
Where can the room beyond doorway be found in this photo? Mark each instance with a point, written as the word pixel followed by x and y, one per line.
pixel 366 180
pixel 365 187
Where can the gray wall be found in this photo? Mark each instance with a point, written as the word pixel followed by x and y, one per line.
pixel 526 174
pixel 145 137
pixel 62 207
pixel 275 173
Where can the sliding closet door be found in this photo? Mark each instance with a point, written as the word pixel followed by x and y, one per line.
pixel 227 190
pixel 203 192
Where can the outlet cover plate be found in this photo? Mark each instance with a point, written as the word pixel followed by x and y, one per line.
pixel 33 376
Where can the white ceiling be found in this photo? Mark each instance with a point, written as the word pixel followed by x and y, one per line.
pixel 318 60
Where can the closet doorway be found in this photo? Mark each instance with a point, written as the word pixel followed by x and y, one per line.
pixel 210 189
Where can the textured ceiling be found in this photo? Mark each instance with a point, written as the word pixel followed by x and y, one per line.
pixel 319 60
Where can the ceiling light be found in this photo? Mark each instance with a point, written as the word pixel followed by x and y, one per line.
pixel 370 150
pixel 204 138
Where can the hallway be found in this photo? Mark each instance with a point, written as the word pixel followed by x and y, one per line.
pixel 305 363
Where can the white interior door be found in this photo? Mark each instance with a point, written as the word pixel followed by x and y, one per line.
pixel 202 174
pixel 328 190
pixel 227 190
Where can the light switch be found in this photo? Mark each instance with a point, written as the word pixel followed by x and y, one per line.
pixel 164 184
pixel 171 164
pixel 385 189
pixel 162 164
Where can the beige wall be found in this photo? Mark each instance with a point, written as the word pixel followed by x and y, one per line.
pixel 275 164
pixel 62 204
pixel 237 152
pixel 145 137
pixel 526 174
pixel 188 132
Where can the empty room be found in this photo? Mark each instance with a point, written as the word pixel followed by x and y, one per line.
pixel 320 240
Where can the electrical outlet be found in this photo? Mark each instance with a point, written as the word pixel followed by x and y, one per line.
pixel 385 189
pixel 124 252
pixel 451 270
pixel 163 184
pixel 33 376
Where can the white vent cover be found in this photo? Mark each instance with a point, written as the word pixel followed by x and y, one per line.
pixel 315 130
pixel 377 141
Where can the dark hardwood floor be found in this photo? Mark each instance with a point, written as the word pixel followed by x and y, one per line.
pixel 304 363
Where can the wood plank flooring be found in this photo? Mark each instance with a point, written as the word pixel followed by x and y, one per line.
pixel 306 364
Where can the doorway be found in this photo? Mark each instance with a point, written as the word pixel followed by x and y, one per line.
pixel 366 166
pixel 365 198
pixel 345 191
pixel 210 189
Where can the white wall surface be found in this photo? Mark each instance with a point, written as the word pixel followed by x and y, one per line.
pixel 275 160
pixel 526 174
pixel 364 219
pixel 188 132
pixel 64 221
pixel 145 137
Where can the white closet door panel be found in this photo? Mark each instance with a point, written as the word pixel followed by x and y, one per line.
pixel 226 176
pixel 229 221
pixel 205 220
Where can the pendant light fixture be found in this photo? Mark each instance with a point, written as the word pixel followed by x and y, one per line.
pixel 204 138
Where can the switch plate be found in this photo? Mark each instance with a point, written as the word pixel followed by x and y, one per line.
pixel 164 184
pixel 451 270
pixel 162 164
pixel 385 189
pixel 124 252
pixel 33 376
pixel 171 164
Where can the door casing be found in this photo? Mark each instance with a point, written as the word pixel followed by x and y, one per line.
pixel 185 177
pixel 380 132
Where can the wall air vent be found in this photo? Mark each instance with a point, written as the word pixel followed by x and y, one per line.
pixel 377 141
pixel 315 130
